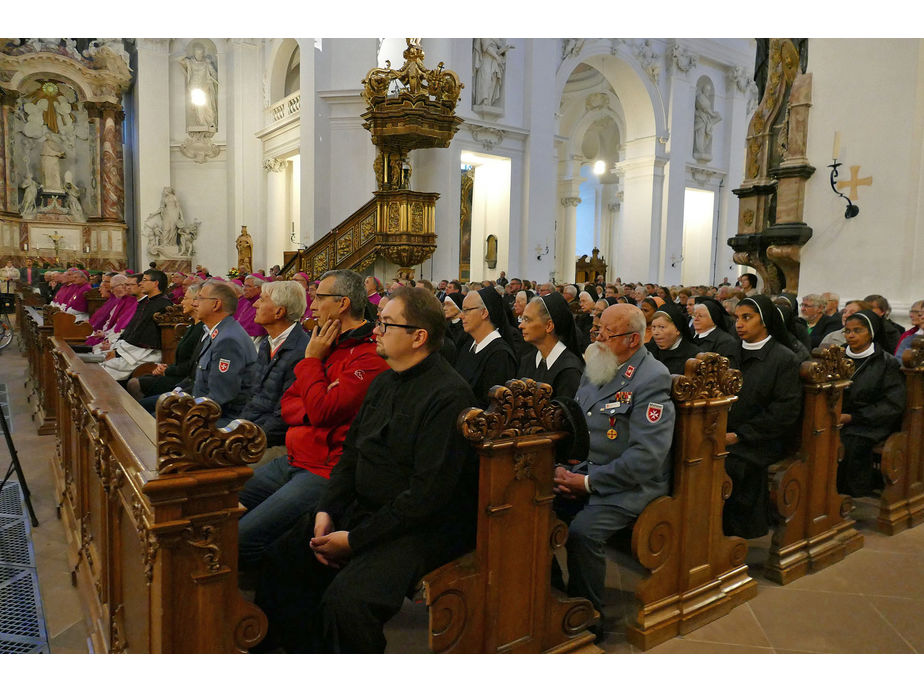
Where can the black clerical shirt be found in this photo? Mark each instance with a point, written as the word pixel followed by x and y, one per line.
pixel 405 467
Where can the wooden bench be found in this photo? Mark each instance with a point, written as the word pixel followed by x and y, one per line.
pixel 499 597
pixel 697 574
pixel 902 462
pixel 813 528
pixel 151 511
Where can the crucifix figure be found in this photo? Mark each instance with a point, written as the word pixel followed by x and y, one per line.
pixel 854 183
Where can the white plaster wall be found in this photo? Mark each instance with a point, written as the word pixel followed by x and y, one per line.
pixel 872 91
pixel 490 215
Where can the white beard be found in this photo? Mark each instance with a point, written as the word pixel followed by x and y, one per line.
pixel 601 364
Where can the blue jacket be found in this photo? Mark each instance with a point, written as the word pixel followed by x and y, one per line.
pixel 632 468
pixel 227 367
pixel 274 376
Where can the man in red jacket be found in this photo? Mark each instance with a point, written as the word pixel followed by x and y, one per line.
pixel 330 384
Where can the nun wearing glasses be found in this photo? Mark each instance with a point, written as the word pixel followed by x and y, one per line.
pixel 548 325
pixel 873 404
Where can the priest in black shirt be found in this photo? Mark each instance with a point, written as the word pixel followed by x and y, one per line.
pixel 400 502
pixel 140 340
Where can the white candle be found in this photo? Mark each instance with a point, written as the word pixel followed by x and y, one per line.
pixel 837 144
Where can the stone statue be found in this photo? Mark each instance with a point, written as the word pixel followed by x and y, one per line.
pixel 74 208
pixel 202 89
pixel 704 118
pixel 30 191
pixel 490 62
pixel 187 238
pixel 168 234
pixel 244 250
pixel 571 47
pixel 51 166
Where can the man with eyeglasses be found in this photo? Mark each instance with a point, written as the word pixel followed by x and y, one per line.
pixel 400 502
pixel 140 340
pixel 625 396
pixel 330 383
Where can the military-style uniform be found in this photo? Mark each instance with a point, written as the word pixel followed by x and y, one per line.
pixel 227 367
pixel 631 425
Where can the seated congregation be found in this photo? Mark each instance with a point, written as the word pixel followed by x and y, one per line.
pixel 368 484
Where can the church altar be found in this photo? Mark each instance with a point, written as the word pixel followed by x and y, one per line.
pixel 62 188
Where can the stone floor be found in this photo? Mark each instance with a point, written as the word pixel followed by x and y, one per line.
pixel 871 602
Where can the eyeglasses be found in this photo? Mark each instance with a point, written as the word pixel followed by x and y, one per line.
pixel 607 337
pixel 465 310
pixel 383 326
pixel 317 295
pixel 206 298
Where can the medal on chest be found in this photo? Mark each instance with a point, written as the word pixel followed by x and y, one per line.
pixel 612 433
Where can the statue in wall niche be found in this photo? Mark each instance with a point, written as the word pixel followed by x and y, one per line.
pixel 490 62
pixel 30 192
pixel 51 156
pixel 571 47
pixel 201 89
pixel 169 236
pixel 704 118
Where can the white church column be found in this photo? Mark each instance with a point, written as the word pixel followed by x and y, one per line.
pixel 152 153
pixel 740 93
pixel 566 247
pixel 276 205
pixel 244 169
pixel 306 231
pixel 611 199
pixel 669 254
pixel 639 242
pixel 540 205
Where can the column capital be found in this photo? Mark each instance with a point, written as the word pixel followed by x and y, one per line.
pixel 570 201
pixel 273 165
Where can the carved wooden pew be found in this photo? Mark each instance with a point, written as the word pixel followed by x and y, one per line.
pixel 813 529
pixel 499 598
pixel 697 573
pixel 902 462
pixel 151 509
pixel 95 301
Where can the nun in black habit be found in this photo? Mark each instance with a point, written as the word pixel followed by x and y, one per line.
pixel 795 343
pixel 672 337
pixel 489 358
pixel 873 404
pixel 762 422
pixel 709 330
pixel 548 325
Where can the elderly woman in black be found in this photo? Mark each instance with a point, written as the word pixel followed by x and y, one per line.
pixel 488 359
pixel 548 325
pixel 762 421
pixel 671 334
pixel 709 330
pixel 873 404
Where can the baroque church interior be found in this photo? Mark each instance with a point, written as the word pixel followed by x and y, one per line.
pixel 680 162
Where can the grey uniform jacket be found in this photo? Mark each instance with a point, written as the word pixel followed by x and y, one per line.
pixel 632 469
pixel 227 367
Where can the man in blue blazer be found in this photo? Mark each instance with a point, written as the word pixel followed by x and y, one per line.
pixel 625 396
pixel 227 363
pixel 278 310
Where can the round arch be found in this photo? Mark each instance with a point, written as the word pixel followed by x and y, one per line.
pixel 280 55
pixel 639 98
pixel 587 121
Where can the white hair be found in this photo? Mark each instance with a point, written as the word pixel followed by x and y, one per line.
pixel 570 290
pixel 288 295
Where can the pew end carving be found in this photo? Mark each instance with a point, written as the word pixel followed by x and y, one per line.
pixel 696 573
pixel 499 597
pixel 902 462
pixel 812 528
pixel 151 509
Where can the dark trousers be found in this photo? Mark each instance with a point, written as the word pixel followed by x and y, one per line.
pixel 314 608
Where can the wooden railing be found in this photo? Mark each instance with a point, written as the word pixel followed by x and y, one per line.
pixel 151 511
pixel 397 224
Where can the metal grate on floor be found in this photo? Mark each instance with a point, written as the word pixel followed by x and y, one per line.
pixel 22 621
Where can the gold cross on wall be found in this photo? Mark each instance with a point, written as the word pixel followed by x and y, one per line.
pixel 854 183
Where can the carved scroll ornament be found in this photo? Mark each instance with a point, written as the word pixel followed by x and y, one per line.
pixel 519 408
pixel 913 358
pixel 706 377
pixel 828 365
pixel 188 438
